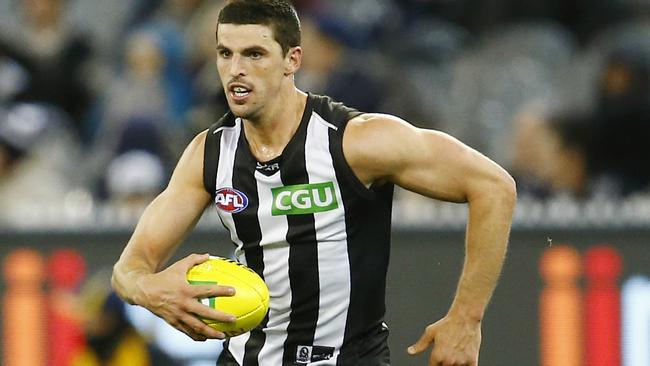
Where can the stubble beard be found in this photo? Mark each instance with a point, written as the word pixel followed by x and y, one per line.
pixel 249 114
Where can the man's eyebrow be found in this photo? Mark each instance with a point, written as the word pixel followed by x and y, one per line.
pixel 254 49
pixel 250 49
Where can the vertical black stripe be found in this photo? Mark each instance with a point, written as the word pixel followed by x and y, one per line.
pixel 303 254
pixel 249 232
pixel 211 160
pixel 225 357
pixel 211 153
pixel 367 222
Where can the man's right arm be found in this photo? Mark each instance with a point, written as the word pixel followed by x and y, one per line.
pixel 138 276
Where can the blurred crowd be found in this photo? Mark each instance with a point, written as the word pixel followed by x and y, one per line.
pixel 98 98
pixel 75 319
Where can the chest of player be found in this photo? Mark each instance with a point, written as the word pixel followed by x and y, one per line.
pixel 257 207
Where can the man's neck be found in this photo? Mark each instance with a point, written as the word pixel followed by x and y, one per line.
pixel 268 136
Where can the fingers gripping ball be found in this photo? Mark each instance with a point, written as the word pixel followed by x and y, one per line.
pixel 250 302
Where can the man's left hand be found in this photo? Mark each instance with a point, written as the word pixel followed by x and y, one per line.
pixel 455 340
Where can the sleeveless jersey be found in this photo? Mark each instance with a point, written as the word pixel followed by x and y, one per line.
pixel 317 236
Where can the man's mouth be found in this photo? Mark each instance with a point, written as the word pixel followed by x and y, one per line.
pixel 239 91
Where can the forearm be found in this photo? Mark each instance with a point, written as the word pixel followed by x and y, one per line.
pixel 488 228
pixel 154 240
pixel 144 255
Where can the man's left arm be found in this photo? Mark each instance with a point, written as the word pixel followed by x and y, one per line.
pixel 457 336
pixel 384 148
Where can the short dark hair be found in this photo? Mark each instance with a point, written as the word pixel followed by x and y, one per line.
pixel 280 15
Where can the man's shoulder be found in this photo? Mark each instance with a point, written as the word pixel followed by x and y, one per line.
pixel 341 115
pixel 375 135
pixel 375 123
pixel 334 112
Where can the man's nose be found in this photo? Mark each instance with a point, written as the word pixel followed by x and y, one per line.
pixel 237 66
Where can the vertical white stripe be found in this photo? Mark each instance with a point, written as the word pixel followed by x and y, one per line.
pixel 227 150
pixel 276 271
pixel 333 261
pixel 237 345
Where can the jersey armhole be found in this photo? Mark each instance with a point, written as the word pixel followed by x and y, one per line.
pixel 346 170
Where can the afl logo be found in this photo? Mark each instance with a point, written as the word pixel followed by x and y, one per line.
pixel 231 200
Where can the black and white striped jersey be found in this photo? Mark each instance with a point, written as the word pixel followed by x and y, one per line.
pixel 317 236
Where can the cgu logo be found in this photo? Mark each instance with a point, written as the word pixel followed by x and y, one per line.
pixel 230 200
pixel 304 199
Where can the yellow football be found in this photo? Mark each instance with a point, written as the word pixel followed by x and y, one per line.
pixel 250 302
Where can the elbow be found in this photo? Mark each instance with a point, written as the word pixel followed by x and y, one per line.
pixel 114 277
pixel 117 284
pixel 495 189
pixel 117 281
pixel 505 188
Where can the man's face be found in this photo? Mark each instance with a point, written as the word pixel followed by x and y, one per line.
pixel 251 65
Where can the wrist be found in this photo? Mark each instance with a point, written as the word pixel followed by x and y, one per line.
pixel 466 313
pixel 128 285
pixel 139 295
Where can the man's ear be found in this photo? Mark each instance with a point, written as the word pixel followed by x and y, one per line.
pixel 293 60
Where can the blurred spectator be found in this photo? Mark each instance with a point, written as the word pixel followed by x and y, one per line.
pixel 37 153
pixel 143 108
pixel 134 178
pixel 13 79
pixel 209 99
pixel 171 23
pixel 365 22
pixel 180 11
pixel 551 153
pixel 585 18
pixel 182 16
pixel 421 61
pixel 54 56
pixel 123 182
pixel 111 339
pixel 622 128
pixel 330 65
pixel 146 86
pixel 146 135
